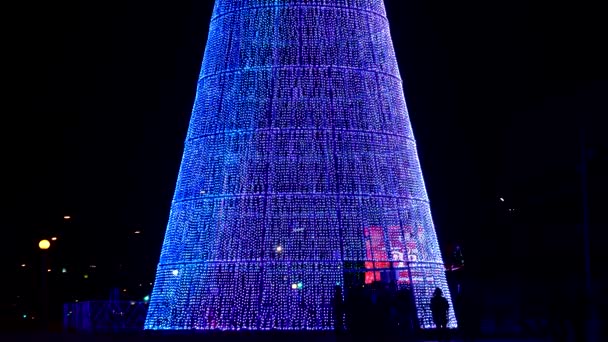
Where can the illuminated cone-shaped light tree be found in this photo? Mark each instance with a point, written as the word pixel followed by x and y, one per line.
pixel 299 173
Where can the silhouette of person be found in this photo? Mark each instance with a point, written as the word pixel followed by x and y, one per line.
pixel 338 307
pixel 439 309
pixel 406 311
pixel 358 307
pixel 382 310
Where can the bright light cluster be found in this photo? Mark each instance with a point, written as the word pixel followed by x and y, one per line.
pixel 299 171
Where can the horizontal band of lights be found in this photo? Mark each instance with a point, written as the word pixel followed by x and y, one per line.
pixel 299 174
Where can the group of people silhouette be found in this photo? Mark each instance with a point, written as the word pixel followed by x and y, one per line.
pixel 379 310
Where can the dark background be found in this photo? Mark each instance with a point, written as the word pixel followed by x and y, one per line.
pixel 99 99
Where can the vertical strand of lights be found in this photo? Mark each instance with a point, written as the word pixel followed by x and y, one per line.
pixel 299 173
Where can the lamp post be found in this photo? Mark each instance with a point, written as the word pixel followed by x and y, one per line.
pixel 44 245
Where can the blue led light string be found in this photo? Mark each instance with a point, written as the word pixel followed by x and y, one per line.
pixel 299 171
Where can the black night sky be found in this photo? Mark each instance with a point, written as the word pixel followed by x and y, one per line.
pixel 100 94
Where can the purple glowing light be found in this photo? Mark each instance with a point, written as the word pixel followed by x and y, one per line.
pixel 299 170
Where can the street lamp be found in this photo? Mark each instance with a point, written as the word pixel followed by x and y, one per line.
pixel 44 244
pixel 44 299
